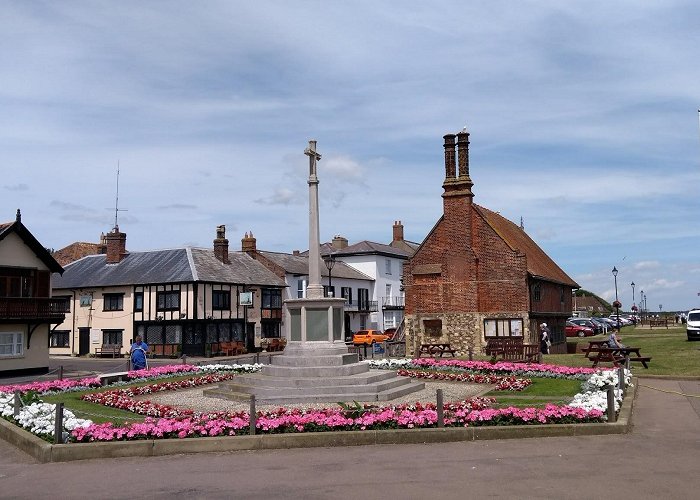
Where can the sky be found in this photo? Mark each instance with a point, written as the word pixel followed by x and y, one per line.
pixel 583 120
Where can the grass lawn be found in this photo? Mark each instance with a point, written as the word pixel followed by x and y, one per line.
pixel 671 352
pixel 541 392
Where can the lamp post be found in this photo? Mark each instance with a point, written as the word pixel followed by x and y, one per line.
pixel 329 261
pixel 633 301
pixel 617 302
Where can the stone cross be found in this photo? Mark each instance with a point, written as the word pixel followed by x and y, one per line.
pixel 314 290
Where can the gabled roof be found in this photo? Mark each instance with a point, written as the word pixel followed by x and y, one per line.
pixel 539 264
pixel 299 264
pixel 28 238
pixel 166 266
pixel 366 248
pixel 76 251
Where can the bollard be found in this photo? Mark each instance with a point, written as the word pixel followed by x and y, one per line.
pixel 60 372
pixel 58 424
pixel 257 357
pixel 621 378
pixel 471 354
pixel 184 359
pixel 611 404
pixel 252 414
pixel 18 404
pixel 627 361
pixel 440 409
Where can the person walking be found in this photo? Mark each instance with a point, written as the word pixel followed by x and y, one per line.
pixel 545 340
pixel 138 354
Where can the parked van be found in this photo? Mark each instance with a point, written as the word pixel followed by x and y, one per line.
pixel 692 327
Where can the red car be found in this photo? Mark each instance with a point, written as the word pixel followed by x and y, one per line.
pixel 574 330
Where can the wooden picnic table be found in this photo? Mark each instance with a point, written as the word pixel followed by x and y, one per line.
pixel 619 355
pixel 435 349
pixel 594 346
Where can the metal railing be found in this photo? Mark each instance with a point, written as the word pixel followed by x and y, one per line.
pixel 393 302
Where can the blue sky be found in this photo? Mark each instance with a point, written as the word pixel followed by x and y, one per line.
pixel 583 120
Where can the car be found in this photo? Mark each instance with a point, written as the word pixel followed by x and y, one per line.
pixel 390 332
pixel 587 322
pixel 574 330
pixel 368 337
pixel 692 325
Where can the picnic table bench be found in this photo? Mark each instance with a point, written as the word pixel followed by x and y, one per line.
pixel 113 350
pixel 593 347
pixel 619 355
pixel 435 349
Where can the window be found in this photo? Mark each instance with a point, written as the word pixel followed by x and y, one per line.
pixel 270 329
pixel 510 327
pixel 561 296
pixel 168 301
pixel 138 301
pixel 15 282
pixel 346 293
pixel 113 337
pixel 536 292
pixel 301 286
pixel 66 303
pixel 113 302
pixel 388 294
pixel 328 292
pixel 221 300
pixel 59 338
pixel 11 344
pixel 433 327
pixel 271 298
pixel 387 264
pixel 363 299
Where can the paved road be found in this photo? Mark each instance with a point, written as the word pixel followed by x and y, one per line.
pixel 659 459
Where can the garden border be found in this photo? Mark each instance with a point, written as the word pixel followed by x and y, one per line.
pixel 45 452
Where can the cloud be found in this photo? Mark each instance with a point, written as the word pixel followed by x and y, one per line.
pixel 68 206
pixel 646 265
pixel 178 206
pixel 280 196
pixel 17 187
pixel 345 169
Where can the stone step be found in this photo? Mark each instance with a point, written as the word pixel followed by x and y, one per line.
pixel 329 360
pixel 314 371
pixel 385 395
pixel 368 377
pixel 261 390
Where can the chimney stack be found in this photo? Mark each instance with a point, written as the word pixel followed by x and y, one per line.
pixel 463 155
pixel 450 168
pixel 339 242
pixel 116 246
pixel 398 231
pixel 248 244
pixel 296 253
pixel 221 245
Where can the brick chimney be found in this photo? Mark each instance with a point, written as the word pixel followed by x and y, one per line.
pixel 248 244
pixel 457 197
pixel 221 245
pixel 296 253
pixel 116 246
pixel 398 231
pixel 339 242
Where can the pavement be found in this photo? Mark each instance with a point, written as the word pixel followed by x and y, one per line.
pixel 660 458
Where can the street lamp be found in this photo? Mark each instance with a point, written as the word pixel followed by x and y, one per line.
pixel 634 303
pixel 329 261
pixel 617 302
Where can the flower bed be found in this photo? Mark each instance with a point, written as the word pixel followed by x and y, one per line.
pixel 171 422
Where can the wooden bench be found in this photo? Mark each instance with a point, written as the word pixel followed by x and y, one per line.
pixel 593 347
pixel 435 349
pixel 163 350
pixel 521 353
pixel 113 350
pixel 232 348
pixel 658 322
pixel 276 344
pixel 618 356
pixel 497 346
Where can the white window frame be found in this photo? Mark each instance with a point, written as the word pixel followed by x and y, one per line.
pixel 388 266
pixel 15 340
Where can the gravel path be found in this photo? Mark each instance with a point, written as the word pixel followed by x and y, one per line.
pixel 194 398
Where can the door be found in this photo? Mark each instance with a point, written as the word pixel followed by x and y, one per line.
pixel 83 341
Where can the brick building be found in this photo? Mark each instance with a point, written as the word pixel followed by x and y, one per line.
pixel 477 275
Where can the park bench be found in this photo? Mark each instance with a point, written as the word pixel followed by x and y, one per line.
pixel 435 349
pixel 232 348
pixel 497 346
pixel 113 350
pixel 658 322
pixel 275 345
pixel 520 353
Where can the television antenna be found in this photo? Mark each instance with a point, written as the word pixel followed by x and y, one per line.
pixel 116 205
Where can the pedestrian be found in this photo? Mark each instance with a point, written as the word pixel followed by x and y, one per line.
pixel 614 341
pixel 545 340
pixel 138 354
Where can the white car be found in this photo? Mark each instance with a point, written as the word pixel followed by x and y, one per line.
pixel 692 326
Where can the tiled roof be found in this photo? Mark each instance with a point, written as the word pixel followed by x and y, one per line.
pixel 76 251
pixel 299 264
pixel 165 266
pixel 367 248
pixel 7 228
pixel 539 264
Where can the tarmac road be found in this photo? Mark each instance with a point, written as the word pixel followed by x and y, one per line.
pixel 659 459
